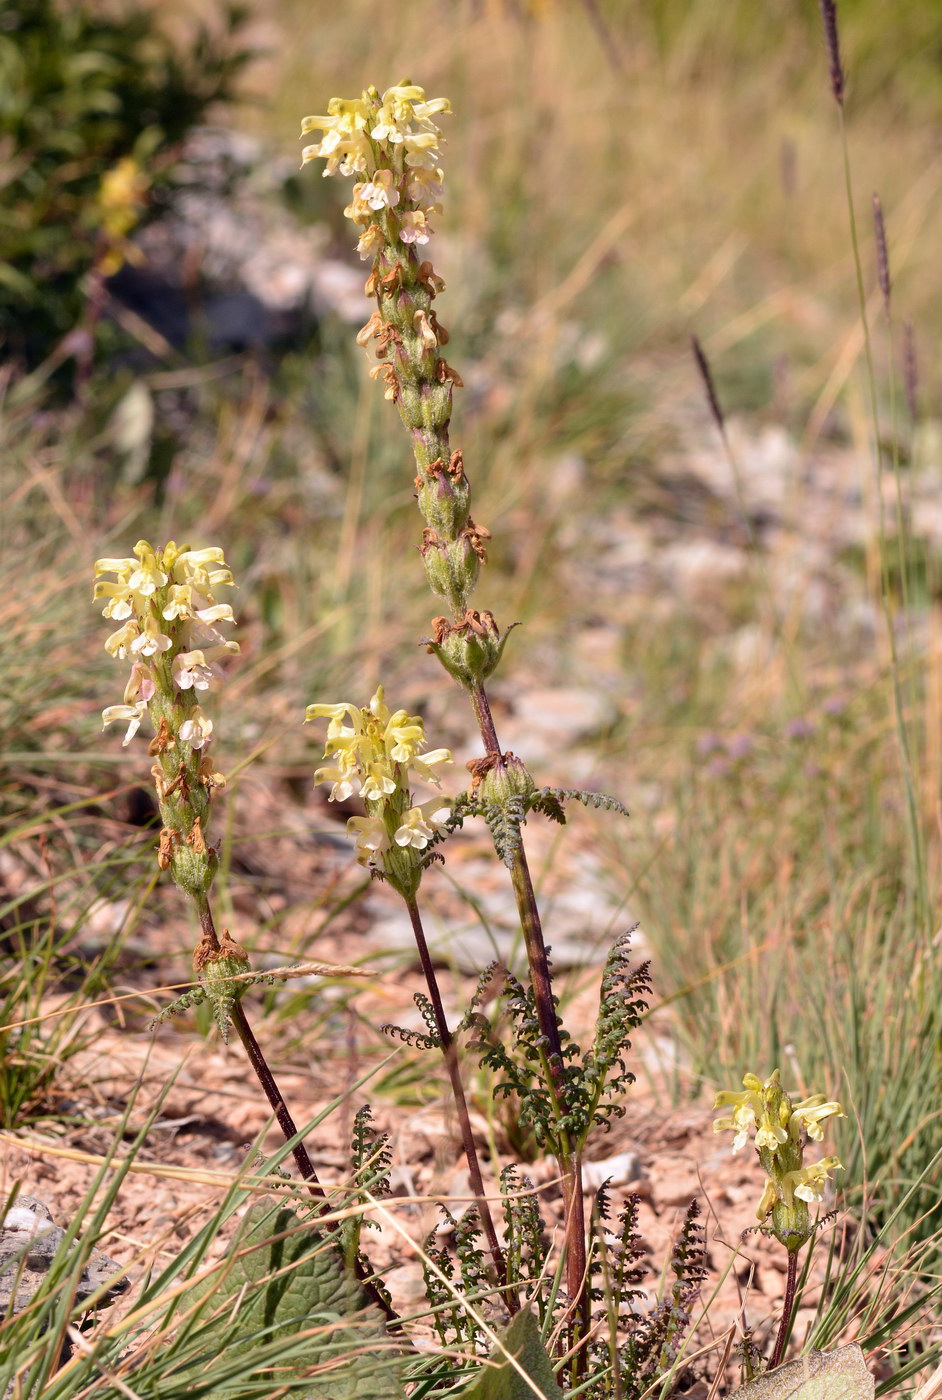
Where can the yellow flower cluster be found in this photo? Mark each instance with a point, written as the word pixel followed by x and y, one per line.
pixel 120 202
pixel 392 141
pixel 373 751
pixel 780 1130
pixel 165 603
pixel 767 1109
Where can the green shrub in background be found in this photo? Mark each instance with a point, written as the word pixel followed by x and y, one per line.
pixel 93 108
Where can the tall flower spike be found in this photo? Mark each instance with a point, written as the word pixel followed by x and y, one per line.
pixel 392 143
pixel 374 752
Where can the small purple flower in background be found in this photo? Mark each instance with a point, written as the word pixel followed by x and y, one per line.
pixel 740 745
pixel 835 705
pixel 800 729
pixel 718 768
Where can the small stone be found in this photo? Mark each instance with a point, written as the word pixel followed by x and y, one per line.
pixel 401 1181
pixel 29 1242
pixel 677 1189
pixel 617 1170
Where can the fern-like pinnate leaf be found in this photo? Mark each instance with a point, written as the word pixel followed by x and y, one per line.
pixel 550 801
pixel 623 1003
pixel 417 1039
pixel 526 1244
pixel 505 818
pixel 370 1160
pixel 645 1356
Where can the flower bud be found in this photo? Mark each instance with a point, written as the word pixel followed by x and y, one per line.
pixel 193 870
pixel 451 567
pixel 791 1224
pixel 215 968
pixel 504 780
pixel 444 501
pixel 471 650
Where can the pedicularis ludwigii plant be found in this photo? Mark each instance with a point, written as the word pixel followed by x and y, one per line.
pixel 165 601
pixel 586 1297
pixel 391 144
pixel 781 1131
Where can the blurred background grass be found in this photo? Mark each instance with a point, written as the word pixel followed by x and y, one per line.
pixel 619 175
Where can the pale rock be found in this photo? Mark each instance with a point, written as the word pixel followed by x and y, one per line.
pixel 617 1170
pixel 692 566
pixel 547 722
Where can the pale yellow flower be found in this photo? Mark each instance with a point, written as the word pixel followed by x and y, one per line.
pixel 190 671
pixel 197 729
pixel 372 837
pixel 809 1183
pixel 380 192
pixel 414 227
pixel 770 1135
pixel 119 643
pixel 377 751
pixel 420 824
pixel 370 242
pixel 344 143
pixel 394 143
pixel 150 641
pixel 768 1199
pixel 345 782
pixel 133 713
pixel 373 745
pixel 811 1113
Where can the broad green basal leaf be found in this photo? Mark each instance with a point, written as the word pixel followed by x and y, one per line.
pixel 287 1284
pixel 822 1375
pixel 501 1380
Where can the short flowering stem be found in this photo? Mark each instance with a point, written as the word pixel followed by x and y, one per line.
pixel 449 1052
pixel 782 1129
pixel 260 1065
pixel 279 1108
pixel 482 713
pixel 784 1326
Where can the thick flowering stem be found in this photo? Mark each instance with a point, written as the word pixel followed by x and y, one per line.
pixel 450 1054
pixel 377 752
